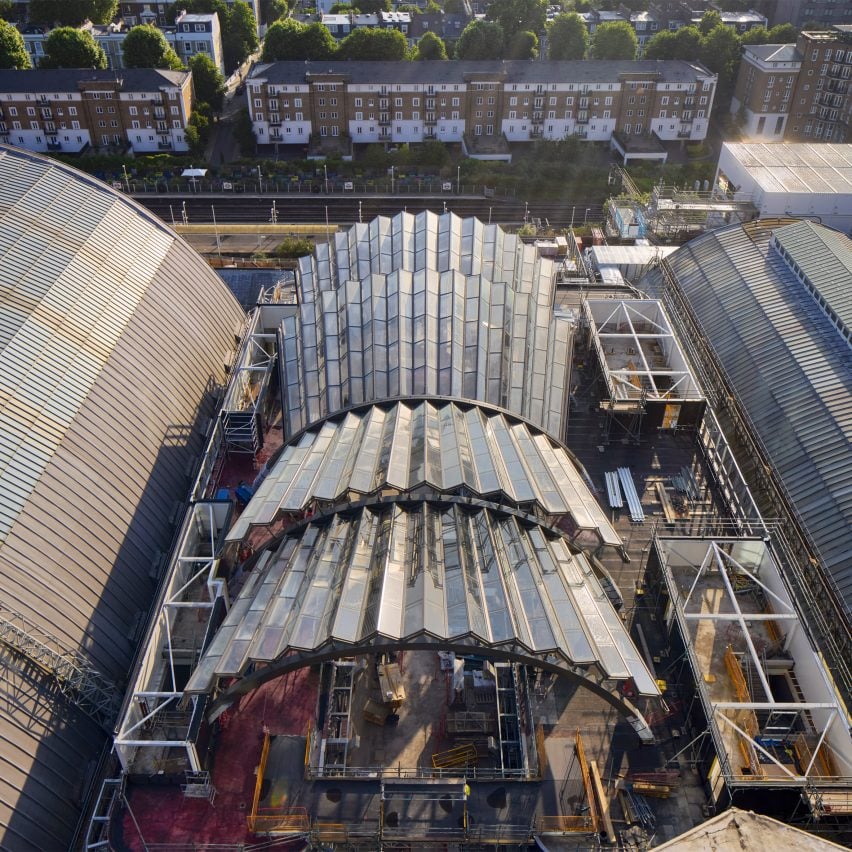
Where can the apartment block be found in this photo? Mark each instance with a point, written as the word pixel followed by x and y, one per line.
pixel 797 92
pixel 190 35
pixel 514 101
pixel 143 110
pixel 147 12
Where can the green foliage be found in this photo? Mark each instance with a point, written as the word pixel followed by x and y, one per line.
pixel 709 21
pixel 781 34
pixel 480 40
pixel 68 47
pixel 239 35
pixel 454 7
pixel 72 13
pixel 199 122
pixel 720 52
pixel 372 43
pixel 567 37
pixel 516 16
pixel 683 44
pixel 293 247
pixel 522 45
pixel 410 8
pixel 342 9
pixel 13 51
pixel 374 6
pixel 430 47
pixel 244 134
pixel 208 81
pixel 290 39
pixel 146 47
pixel 272 10
pixel 614 40
pixel 431 153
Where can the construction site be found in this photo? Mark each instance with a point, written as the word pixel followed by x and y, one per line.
pixel 501 582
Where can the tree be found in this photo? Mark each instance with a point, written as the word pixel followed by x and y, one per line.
pixel 68 47
pixel 290 39
pixel 341 9
pixel 373 43
pixel 208 81
pixel 13 51
pixel 146 47
pixel 567 37
pixel 683 44
pixel 720 52
pixel 239 35
pixel 522 45
pixel 709 21
pixel 72 13
pixel 430 47
pixel 480 40
pixel 781 34
pixel 614 40
pixel 517 16
pixel 374 6
pixel 272 10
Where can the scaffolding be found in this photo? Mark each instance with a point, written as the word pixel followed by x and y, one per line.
pixel 159 723
pixel 774 717
pixel 77 680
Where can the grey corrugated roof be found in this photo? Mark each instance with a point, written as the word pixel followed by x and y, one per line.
pixel 455 71
pixel 39 80
pixel 825 257
pixel 112 332
pixel 792 371
pixel 774 52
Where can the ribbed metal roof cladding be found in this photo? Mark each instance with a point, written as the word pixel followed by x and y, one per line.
pixel 825 257
pixel 112 332
pixel 791 370
pixel 458 71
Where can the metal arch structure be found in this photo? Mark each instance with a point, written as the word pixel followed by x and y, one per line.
pixel 247 684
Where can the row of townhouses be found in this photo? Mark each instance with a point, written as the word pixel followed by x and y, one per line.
pixel 514 101
pixel 190 35
pixel 144 110
pixel 797 92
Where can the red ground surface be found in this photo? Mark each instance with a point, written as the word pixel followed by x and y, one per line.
pixel 284 706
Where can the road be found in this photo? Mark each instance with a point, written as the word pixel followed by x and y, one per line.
pixel 347 209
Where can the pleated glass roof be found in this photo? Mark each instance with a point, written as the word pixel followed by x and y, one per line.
pixel 454 449
pixel 425 305
pixel 451 575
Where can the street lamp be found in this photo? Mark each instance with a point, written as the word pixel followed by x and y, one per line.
pixel 325 177
pixel 273 213
pixel 360 218
pixel 391 174
pixel 183 214
pixel 458 180
pixel 126 178
pixel 586 216
pixel 572 216
pixel 526 212
pixel 259 179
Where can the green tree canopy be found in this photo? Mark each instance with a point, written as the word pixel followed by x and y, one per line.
pixel 720 52
pixel 146 47
pixel 683 44
pixel 13 51
pixel 515 16
pixel 614 40
pixel 430 47
pixel 272 10
pixel 709 20
pixel 374 6
pixel 373 43
pixel 522 45
pixel 781 34
pixel 341 9
pixel 208 81
pixel 72 13
pixel 480 40
pixel 239 35
pixel 567 37
pixel 68 47
pixel 290 39
pixel 454 7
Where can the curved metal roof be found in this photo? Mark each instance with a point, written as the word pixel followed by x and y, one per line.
pixel 789 364
pixel 418 574
pixel 452 448
pixel 425 305
pixel 113 332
